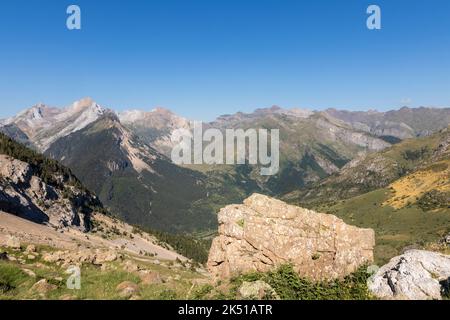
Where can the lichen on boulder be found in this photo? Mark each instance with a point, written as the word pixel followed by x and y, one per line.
pixel 263 233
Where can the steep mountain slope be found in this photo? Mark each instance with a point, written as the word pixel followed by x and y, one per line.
pixel 376 170
pixel 396 124
pixel 124 159
pixel 42 202
pixel 14 132
pixel 51 226
pixel 43 125
pixel 403 193
pixel 40 190
pixel 429 188
pixel 312 146
pixel 412 211
pixel 154 127
pixel 134 180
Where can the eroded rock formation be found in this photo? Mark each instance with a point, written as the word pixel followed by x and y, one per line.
pixel 26 195
pixel 263 233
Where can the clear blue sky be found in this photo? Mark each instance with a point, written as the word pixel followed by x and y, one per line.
pixel 206 58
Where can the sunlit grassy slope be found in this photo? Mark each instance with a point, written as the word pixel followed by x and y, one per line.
pixel 395 228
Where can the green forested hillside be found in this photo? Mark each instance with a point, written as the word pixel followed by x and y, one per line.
pixel 377 170
pixel 50 171
pixel 403 193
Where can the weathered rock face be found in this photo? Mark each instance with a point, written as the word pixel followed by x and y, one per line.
pixel 264 233
pixel 415 275
pixel 24 194
pixel 88 256
pixel 446 240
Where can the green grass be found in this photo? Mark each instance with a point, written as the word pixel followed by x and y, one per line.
pixel 12 278
pixel 95 283
pixel 288 285
pixel 178 283
pixel 394 228
pixel 377 170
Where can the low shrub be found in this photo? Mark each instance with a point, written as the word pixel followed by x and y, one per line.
pixel 290 286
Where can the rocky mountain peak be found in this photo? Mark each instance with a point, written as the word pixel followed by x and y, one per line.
pixel 131 116
pixel 273 109
pixel 161 110
pixel 34 115
pixel 37 111
pixel 156 118
pixel 264 112
pixel 85 107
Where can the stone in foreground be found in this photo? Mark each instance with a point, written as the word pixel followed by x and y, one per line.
pixel 257 290
pixel 415 275
pixel 264 233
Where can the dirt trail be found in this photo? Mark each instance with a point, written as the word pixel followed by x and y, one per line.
pixel 71 239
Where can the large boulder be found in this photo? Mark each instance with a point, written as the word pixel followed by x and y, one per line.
pixel 127 289
pixel 264 233
pixel 414 275
pixel 150 277
pixel 43 287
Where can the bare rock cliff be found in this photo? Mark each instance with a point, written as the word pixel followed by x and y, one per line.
pixel 264 233
pixel 26 195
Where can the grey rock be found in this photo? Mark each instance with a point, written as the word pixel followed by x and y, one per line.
pixel 24 194
pixel 43 287
pixel 264 233
pixel 13 243
pixel 415 275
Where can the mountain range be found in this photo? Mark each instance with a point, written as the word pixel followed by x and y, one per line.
pixel 123 157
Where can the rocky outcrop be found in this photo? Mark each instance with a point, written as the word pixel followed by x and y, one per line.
pixel 127 289
pixel 264 233
pixel 25 194
pixel 415 275
pixel 86 256
pixel 43 287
